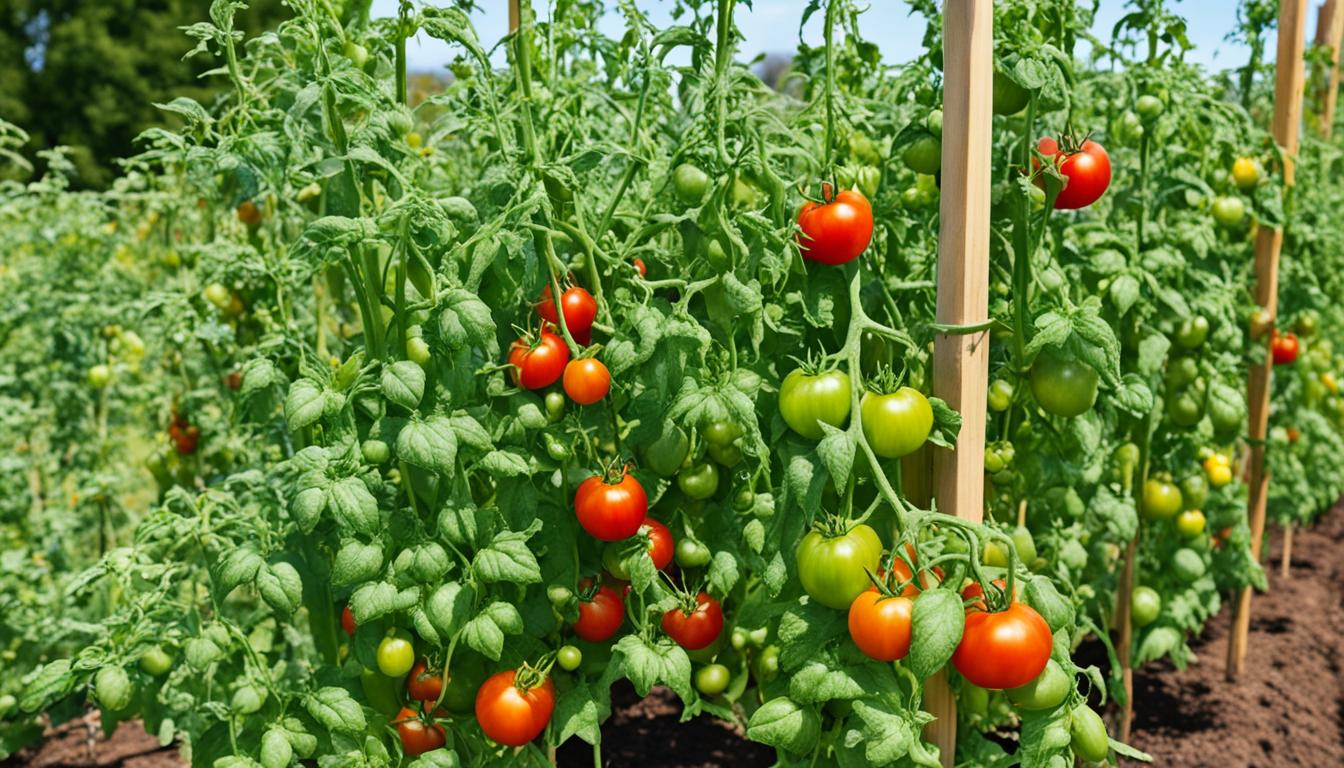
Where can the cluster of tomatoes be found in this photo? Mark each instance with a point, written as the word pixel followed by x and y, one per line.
pixel 183 433
pixel 541 360
pixel 512 706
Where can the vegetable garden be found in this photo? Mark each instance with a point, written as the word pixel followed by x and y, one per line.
pixel 847 408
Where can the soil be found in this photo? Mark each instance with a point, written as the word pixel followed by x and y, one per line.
pixel 1286 709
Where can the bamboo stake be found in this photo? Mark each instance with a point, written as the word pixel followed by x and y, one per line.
pixel 961 362
pixel 1285 567
pixel 514 16
pixel 1290 73
pixel 1329 31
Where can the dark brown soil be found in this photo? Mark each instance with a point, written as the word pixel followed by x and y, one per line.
pixel 1287 708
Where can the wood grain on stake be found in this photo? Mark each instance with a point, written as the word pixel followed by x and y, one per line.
pixel 1290 68
pixel 961 362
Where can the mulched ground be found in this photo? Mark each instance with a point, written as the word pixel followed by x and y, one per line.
pixel 1287 709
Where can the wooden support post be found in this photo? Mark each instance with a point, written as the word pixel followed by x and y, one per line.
pixel 1329 32
pixel 515 17
pixel 1290 71
pixel 961 362
pixel 1285 567
pixel 1125 642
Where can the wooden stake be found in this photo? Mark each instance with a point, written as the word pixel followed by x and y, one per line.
pixel 1288 86
pixel 1286 566
pixel 1125 642
pixel 1329 31
pixel 961 362
pixel 515 16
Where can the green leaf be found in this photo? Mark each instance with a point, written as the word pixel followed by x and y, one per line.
pixel 785 725
pixel 281 587
pixel 404 383
pixel 356 562
pixel 805 630
pixel 1124 293
pixel 508 558
pixel 946 424
pixel 376 599
pixel 887 733
pixel 836 450
pixel 259 374
pixel 578 712
pixel 1133 395
pixel 238 566
pixel 276 751
pixel 353 506
pixel 486 631
pixel 467 321
pixel 335 710
pixel 505 464
pixel 936 625
pixel 304 405
pixel 722 574
pixel 430 444
pixel 470 433
pixel 1057 611
pixel 52 682
pixel 449 608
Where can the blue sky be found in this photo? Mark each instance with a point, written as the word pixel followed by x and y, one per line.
pixel 772 26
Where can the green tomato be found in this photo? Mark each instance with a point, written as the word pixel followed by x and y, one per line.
pixel 738 639
pixel 721 433
pixel 834 569
pixel 1190 523
pixel 692 554
pixel 993 461
pixel 555 447
pixel 1063 387
pixel 1144 606
pixel 417 350
pixel 98 376
pixel 459 687
pixel 217 294
pixel 727 455
pixel 690 183
pixel 1228 211
pixel 806 401
pixel 699 482
pixel 113 688
pixel 396 654
pixel 1192 332
pixel 1149 107
pixel 1089 738
pixel 924 155
pixel 1047 691
pixel 569 658
pixel 1000 395
pixel 1182 372
pixel 1187 565
pixel 712 679
pixel 358 54
pixel 1306 324
pixel 156 661
pixel 896 424
pixel 375 451
pixel 1024 544
pixel 765 665
pixel 1194 491
pixel 1185 409
pixel 974 700
pixel 1009 97
pixel 555 406
pixel 382 692
pixel 667 452
pixel 995 556
pixel 1161 500
pixel 744 500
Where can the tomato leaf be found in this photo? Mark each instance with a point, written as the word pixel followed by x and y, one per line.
pixel 836 450
pixel 936 625
pixel 404 383
pixel 356 562
pixel 466 321
pixel 804 630
pixel 888 730
pixel 486 631
pixel 238 566
pixel 578 712
pixel 1125 750
pixel 1133 395
pixel 946 424
pixel 52 682
pixel 508 558
pixel 1041 595
pixel 722 574
pixel 784 724
pixel 281 587
pixel 335 710
pixel 353 506
pixel 304 405
pixel 430 444
pixel 449 608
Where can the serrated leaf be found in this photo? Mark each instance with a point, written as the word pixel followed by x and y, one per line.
pixel 356 562
pixel 508 559
pixel 304 405
pixel 335 710
pixel 783 724
pixel 353 506
pixel 936 625
pixel 430 444
pixel 722 574
pixel 404 383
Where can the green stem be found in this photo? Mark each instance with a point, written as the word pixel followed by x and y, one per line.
pixel 723 53
pixel 829 152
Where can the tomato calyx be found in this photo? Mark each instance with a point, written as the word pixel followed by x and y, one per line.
pixel 614 471
pixel 529 676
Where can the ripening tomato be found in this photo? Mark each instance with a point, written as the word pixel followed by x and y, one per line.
pixel 348 621
pixel 587 380
pixel 511 713
pixel 1002 650
pixel 1245 173
pixel 1162 500
pixel 661 546
pixel 806 400
pixel 1190 523
pixel 896 424
pixel 423 684
pixel 418 734
pixel 639 265
pixel 1219 469
pixel 834 569
pixel 1087 170
pixel 395 655
pixel 600 616
pixel 611 511
pixel 696 628
pixel 539 365
pixel 880 626
pixel 1284 347
pixel 837 231
pixel 249 213
pixel 580 312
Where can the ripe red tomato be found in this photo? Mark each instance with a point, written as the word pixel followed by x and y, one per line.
pixel 513 715
pixel 837 231
pixel 611 511
pixel 1088 171
pixel 880 626
pixel 661 546
pixel 639 264
pixel 1284 347
pixel 587 380
pixel 974 591
pixel 697 629
pixel 348 621
pixel 422 684
pixel 417 735
pixel 580 312
pixel 538 365
pixel 600 616
pixel 900 571
pixel 1002 650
